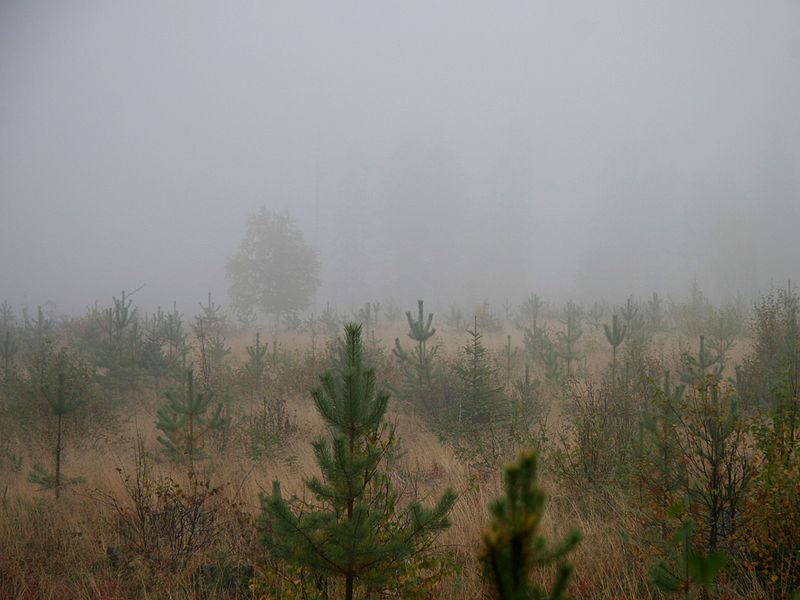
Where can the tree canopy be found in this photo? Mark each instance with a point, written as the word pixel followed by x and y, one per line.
pixel 274 272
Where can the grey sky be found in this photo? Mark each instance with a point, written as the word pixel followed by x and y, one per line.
pixel 461 150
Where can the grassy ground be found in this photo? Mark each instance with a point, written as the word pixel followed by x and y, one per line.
pixel 54 550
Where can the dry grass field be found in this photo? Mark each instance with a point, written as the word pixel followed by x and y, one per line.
pixel 73 547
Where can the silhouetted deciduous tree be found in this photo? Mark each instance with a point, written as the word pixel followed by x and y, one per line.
pixel 274 272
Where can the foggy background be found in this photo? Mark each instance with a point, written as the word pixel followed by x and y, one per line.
pixel 451 151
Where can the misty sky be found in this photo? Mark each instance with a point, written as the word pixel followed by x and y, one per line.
pixel 455 150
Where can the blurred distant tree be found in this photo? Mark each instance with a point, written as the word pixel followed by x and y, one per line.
pixel 274 272
pixel 569 338
pixel 615 336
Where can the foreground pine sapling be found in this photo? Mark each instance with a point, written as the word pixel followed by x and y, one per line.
pixel 354 528
pixel 512 547
pixel 687 570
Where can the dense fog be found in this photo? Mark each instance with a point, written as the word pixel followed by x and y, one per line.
pixel 452 151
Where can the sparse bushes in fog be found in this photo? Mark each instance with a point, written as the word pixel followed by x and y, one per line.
pixel 595 444
pixel 454 317
pixel 597 313
pixel 681 460
pixel 330 319
pixel 161 520
pixel 486 318
pixel 654 313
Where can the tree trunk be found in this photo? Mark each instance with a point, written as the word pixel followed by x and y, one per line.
pixel 58 458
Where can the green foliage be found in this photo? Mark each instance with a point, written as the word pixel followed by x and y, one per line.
pixel 9 347
pixel 354 529
pixel 661 474
pixel 63 401
pixel 486 318
pixel 725 327
pixel 212 347
pixel 39 336
pixel 256 366
pixel 123 343
pixel 274 272
pixel 57 481
pixel 509 354
pixel 529 312
pixel 700 369
pixel 776 346
pixel 161 520
pixel 629 312
pixel 540 347
pixel 528 412
pixel 696 313
pixel 655 313
pixel 417 365
pixel 185 424
pixel 615 336
pixel 597 312
pixel 595 442
pixel 479 423
pixel 512 547
pixel 714 446
pixel 686 568
pixel 569 338
pixel 773 540
pixel 479 393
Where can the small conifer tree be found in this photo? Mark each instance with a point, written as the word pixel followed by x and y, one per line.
pixel 630 311
pixel 420 331
pixel 61 402
pixel 615 336
pixel 354 529
pixel 570 337
pixel 185 423
pixel 529 312
pixel 479 393
pixel 256 366
pixel 511 546
pixel 695 369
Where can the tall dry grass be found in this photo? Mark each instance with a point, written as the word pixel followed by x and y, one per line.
pixel 55 550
